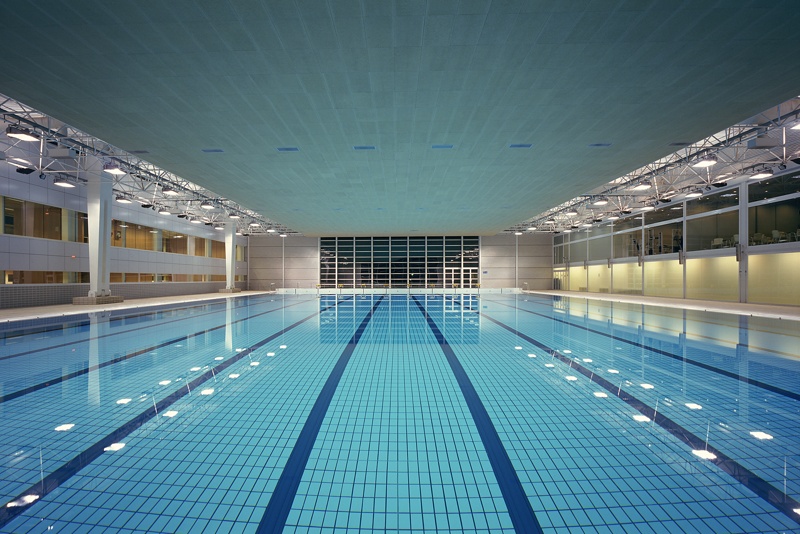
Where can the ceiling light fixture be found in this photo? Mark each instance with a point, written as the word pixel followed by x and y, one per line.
pixel 643 186
pixel 532 229
pixel 20 133
pixel 112 168
pixel 571 213
pixel 766 173
pixel 694 194
pixel 612 217
pixel 600 202
pixel 169 191
pixel 254 224
pixel 233 216
pixel 270 230
pixel 62 182
pixel 219 227
pixel 164 211
pixel 206 205
pixel 283 235
pixel 705 162
pixel 123 199
pixel 195 221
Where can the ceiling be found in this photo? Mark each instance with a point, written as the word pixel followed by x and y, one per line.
pixel 210 91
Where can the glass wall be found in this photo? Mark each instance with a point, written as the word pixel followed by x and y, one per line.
pixel 31 219
pixel 399 262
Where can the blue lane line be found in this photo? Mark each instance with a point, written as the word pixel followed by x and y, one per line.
pixel 60 475
pixel 707 367
pixel 280 504
pixel 783 502
pixel 63 378
pixel 519 507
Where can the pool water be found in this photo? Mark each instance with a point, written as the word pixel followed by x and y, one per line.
pixel 400 413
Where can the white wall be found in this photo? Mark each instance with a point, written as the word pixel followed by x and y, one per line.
pixel 513 261
pixel 291 262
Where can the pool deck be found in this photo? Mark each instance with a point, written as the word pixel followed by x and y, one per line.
pixel 791 313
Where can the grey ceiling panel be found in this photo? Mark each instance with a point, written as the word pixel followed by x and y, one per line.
pixel 174 78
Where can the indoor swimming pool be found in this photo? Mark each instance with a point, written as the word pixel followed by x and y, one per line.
pixel 400 413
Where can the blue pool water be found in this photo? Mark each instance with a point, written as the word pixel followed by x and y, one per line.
pixel 397 413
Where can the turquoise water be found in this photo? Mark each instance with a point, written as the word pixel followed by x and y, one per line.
pixel 396 413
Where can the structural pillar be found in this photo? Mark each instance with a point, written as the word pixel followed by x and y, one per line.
pixel 230 259
pixel 99 192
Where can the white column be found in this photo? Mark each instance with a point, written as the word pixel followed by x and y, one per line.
pixel 230 255
pixel 99 193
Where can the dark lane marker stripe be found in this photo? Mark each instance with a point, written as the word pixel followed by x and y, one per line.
pixel 707 367
pixel 519 507
pixel 280 504
pixel 57 380
pixel 752 481
pixel 60 475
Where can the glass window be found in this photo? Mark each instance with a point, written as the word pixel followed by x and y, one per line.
pixel 600 248
pixel 577 252
pixel 13 217
pixel 712 232
pixel 399 262
pixel 218 249
pixel 628 223
pixel 663 239
pixel 776 222
pixel 559 254
pixel 717 201
pixel 666 213
pixel 628 244
pixel 200 246
pixel 774 187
